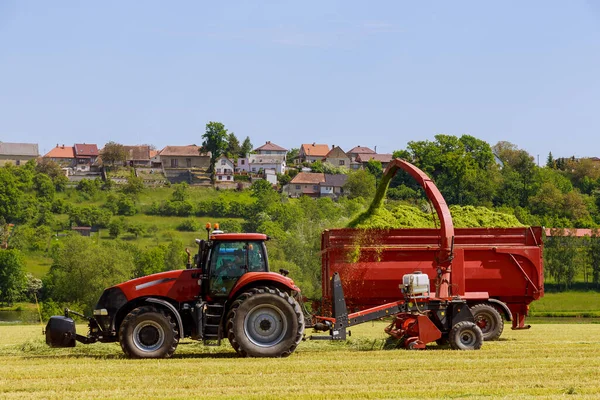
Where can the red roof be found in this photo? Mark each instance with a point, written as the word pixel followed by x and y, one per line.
pixel 310 178
pixel 86 150
pixel 361 150
pixel 61 152
pixel 315 150
pixel 270 146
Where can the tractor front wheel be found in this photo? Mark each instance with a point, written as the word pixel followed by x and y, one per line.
pixel 265 322
pixel 465 335
pixel 148 333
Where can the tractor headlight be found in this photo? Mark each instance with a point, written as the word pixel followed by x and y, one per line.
pixel 101 311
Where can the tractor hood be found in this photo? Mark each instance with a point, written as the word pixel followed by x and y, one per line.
pixel 179 285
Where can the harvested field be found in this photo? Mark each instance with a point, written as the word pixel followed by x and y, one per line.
pixel 549 360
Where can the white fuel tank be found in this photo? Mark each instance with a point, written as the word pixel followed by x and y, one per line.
pixel 416 283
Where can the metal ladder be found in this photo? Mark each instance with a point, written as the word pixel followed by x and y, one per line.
pixel 213 316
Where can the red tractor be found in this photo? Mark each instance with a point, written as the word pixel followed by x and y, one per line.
pixel 228 292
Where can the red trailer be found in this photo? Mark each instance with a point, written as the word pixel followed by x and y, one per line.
pixel 495 270
pixel 498 267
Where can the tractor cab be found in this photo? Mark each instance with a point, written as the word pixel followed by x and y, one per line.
pixel 226 257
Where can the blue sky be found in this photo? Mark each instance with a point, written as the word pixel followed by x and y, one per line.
pixel 337 72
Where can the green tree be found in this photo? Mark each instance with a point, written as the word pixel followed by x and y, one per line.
pixel 113 153
pixel 246 147
pixel 375 168
pixel 550 161
pixel 360 184
pixel 150 261
pixel 82 269
pixel 115 227
pixel 559 258
pixel 134 186
pixel 180 191
pixel 10 195
pixel 12 275
pixel 291 156
pixel 233 146
pixel 215 140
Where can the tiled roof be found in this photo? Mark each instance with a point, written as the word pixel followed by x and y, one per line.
pixel 61 152
pixel 141 152
pixel 19 149
pixel 336 152
pixel 187 151
pixel 384 158
pixel 85 150
pixel 270 146
pixel 315 150
pixel 153 153
pixel 361 150
pixel 337 180
pixel 312 178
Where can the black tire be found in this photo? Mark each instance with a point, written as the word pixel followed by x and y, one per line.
pixel 489 320
pixel 265 322
pixel 148 333
pixel 465 335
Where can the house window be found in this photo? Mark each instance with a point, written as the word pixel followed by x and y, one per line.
pixel 297 187
pixel 174 163
pixel 342 162
pixel 315 188
pixel 253 169
pixel 17 162
pixel 228 177
pixel 223 162
pixel 220 178
pixel 188 162
pixel 243 162
pixel 218 170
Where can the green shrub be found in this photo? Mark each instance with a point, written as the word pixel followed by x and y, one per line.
pixel 189 225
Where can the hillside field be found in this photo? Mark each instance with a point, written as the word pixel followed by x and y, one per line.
pixel 549 361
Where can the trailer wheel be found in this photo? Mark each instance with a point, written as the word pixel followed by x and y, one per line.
pixel 489 320
pixel 265 322
pixel 465 335
pixel 148 333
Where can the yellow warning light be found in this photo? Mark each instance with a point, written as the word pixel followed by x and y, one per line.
pixel 208 225
pixel 217 225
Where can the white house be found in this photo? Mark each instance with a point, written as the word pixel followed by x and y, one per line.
pixel 224 169
pixel 258 163
pixel 271 149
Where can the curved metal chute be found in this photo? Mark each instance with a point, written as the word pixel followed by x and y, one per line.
pixel 446 254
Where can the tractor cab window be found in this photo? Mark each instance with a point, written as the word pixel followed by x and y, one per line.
pixel 230 260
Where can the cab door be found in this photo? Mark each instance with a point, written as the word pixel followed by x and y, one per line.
pixel 229 261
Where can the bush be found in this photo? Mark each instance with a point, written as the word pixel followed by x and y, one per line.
pixel 189 225
pixel 231 226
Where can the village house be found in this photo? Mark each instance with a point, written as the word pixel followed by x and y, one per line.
pixel 184 157
pixel 18 153
pixel 138 156
pixel 358 151
pixel 333 186
pixel 384 159
pixel 312 152
pixel 337 157
pixel 271 149
pixel 85 155
pixel 63 155
pixel 224 169
pixel 306 184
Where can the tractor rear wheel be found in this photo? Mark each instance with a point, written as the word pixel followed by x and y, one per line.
pixel 148 333
pixel 465 335
pixel 265 322
pixel 489 320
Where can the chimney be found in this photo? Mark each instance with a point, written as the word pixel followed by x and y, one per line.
pixel 63 146
pixel 375 149
pixel 314 143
